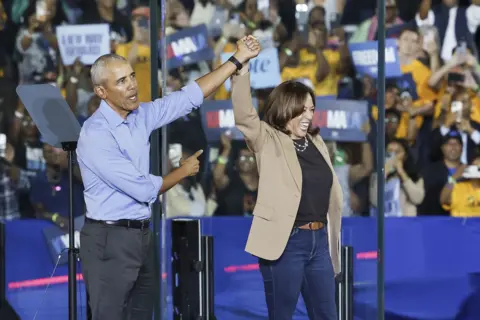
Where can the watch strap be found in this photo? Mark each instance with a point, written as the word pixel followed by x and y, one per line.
pixel 237 63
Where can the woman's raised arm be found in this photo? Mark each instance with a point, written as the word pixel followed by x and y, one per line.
pixel 246 117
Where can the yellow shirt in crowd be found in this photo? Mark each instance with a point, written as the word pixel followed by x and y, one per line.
pixel 465 200
pixel 475 115
pixel 420 74
pixel 141 68
pixel 307 69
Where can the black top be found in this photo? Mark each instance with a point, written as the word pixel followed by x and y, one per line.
pixel 317 179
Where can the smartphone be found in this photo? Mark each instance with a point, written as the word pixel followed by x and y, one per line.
pixel 454 77
pixel 3 145
pixel 263 6
pixel 175 154
pixel 235 18
pixel 301 15
pixel 41 10
pixel 457 107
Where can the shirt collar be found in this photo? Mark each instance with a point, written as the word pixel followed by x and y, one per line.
pixel 113 118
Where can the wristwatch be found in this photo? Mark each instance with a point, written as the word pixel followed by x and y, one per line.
pixel 237 63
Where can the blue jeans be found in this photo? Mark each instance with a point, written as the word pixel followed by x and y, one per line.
pixel 304 267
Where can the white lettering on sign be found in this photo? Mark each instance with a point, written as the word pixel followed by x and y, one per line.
pixel 226 119
pixel 337 119
pixel 65 239
pixel 86 42
pixel 370 57
pixel 183 46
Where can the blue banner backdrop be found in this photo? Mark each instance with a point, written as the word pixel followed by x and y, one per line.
pixel 187 46
pixel 428 275
pixel 217 117
pixel 365 58
pixel 340 120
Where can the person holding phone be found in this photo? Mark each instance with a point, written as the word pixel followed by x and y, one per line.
pixel 113 154
pixel 297 217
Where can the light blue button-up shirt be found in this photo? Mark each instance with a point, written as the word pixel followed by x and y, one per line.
pixel 114 155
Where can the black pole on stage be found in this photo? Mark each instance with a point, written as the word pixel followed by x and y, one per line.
pixel 70 148
pixel 381 161
pixel 155 156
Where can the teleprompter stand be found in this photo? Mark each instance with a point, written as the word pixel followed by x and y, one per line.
pixel 59 128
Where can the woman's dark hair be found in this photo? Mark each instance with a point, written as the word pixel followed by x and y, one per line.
pixel 408 162
pixel 285 102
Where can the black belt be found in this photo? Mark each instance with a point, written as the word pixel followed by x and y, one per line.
pixel 135 224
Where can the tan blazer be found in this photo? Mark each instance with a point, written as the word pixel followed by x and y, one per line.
pixel 280 183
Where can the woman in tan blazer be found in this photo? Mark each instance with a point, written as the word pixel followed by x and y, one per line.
pixel 296 224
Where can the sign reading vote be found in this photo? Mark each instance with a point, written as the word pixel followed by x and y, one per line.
pixel 87 42
pixel 264 69
pixel 340 120
pixel 187 46
pixel 365 58
pixel 217 117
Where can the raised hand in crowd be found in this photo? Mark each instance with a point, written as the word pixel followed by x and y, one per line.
pixel 465 126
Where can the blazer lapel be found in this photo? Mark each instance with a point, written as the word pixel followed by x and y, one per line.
pixel 292 159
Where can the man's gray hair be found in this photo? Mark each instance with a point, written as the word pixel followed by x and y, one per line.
pixel 97 71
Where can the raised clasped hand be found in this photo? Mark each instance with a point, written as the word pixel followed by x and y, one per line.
pixel 247 48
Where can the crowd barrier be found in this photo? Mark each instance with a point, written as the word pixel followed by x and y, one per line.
pixel 432 268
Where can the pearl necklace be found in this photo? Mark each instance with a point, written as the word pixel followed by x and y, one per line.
pixel 301 147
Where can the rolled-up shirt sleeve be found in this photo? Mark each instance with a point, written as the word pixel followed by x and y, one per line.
pixel 116 170
pixel 167 109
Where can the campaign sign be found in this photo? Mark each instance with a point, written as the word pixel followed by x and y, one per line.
pixel 187 46
pixel 264 69
pixel 86 41
pixel 406 83
pixel 365 58
pixel 340 120
pixel 217 117
pixel 392 200
pixel 58 241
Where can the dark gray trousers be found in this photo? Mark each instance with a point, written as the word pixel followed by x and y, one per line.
pixel 117 266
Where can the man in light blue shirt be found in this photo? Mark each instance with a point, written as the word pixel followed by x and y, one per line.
pixel 113 156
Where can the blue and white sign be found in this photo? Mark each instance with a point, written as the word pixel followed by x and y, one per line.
pixel 365 58
pixel 217 117
pixel 340 120
pixel 264 69
pixel 87 42
pixel 187 46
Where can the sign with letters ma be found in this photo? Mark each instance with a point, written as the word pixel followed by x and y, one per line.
pixel 264 69
pixel 86 41
pixel 340 120
pixel 217 117
pixel 365 58
pixel 187 46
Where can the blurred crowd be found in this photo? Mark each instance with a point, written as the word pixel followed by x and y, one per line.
pixel 432 133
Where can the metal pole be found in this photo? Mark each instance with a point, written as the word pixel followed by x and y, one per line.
pixel 164 155
pixel 381 161
pixel 155 153
pixel 72 251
